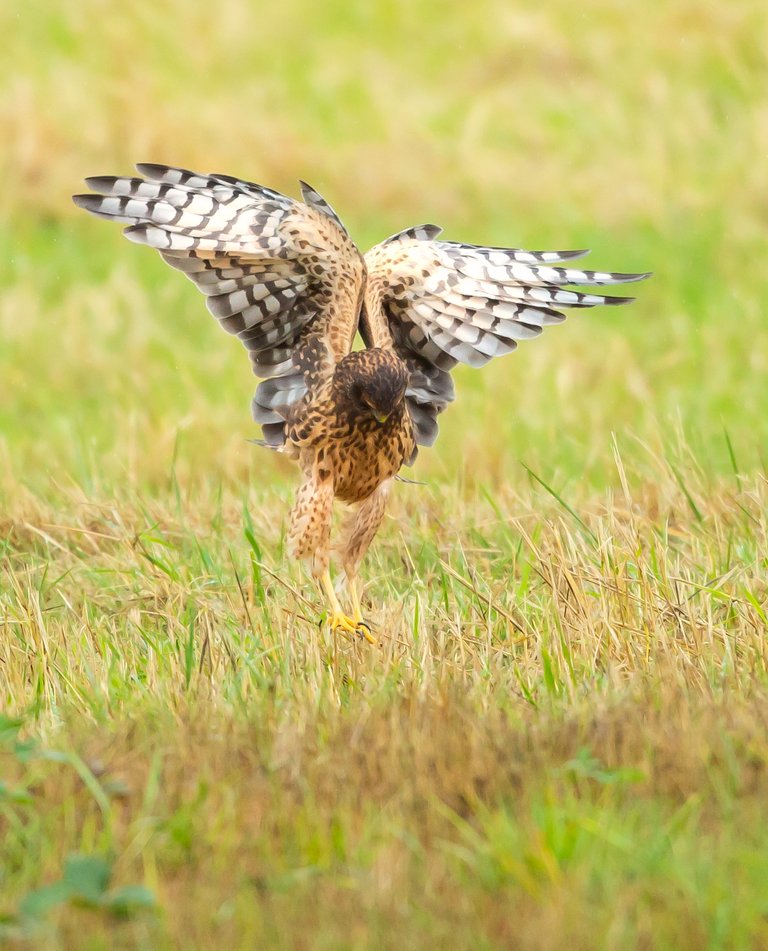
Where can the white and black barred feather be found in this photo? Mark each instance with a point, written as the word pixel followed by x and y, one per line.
pixel 269 266
pixel 442 303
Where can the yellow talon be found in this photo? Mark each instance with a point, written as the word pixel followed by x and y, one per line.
pixel 363 630
pixel 362 627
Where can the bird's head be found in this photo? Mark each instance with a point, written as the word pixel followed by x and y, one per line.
pixel 372 382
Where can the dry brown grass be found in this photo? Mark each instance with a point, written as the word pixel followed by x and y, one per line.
pixel 562 733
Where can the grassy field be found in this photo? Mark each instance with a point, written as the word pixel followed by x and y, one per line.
pixel 562 740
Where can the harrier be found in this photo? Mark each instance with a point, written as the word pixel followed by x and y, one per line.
pixel 285 277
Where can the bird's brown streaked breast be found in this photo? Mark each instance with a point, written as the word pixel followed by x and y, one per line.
pixel 359 452
pixel 367 453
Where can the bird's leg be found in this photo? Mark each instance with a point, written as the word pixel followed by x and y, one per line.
pixel 309 535
pixel 309 538
pixel 361 625
pixel 354 594
pixel 337 619
pixel 359 531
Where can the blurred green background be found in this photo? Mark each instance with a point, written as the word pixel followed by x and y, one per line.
pixel 639 130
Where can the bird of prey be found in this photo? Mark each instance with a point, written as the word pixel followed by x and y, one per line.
pixel 285 277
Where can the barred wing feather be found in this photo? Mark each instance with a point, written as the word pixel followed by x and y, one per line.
pixel 439 303
pixel 280 274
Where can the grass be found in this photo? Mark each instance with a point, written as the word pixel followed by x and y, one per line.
pixel 561 742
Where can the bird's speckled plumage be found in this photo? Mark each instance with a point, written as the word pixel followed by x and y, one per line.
pixel 285 277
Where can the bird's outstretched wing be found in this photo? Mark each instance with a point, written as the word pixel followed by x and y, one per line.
pixel 282 275
pixel 439 303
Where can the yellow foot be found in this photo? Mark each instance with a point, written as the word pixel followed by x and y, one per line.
pixel 339 620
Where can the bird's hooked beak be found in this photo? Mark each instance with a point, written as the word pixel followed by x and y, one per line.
pixel 381 417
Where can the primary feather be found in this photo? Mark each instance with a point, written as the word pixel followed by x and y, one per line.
pixel 275 272
pixel 441 303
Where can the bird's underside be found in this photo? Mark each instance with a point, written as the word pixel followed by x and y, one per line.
pixel 285 277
